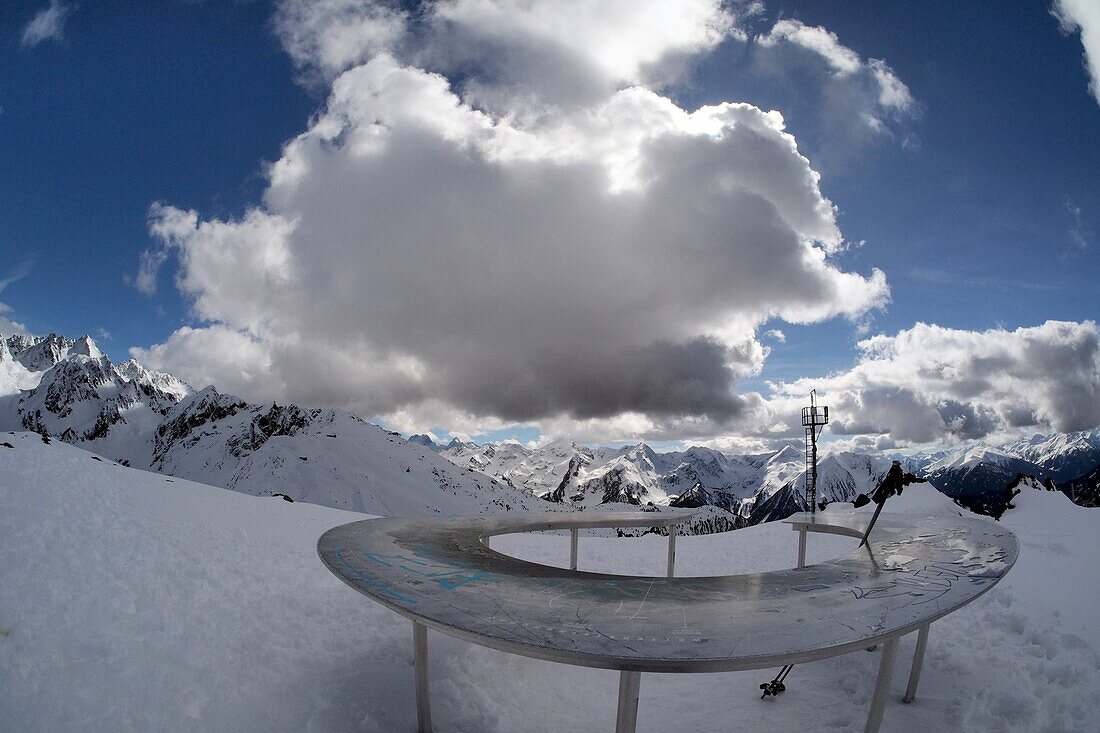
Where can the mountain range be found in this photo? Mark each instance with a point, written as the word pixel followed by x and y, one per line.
pixel 69 390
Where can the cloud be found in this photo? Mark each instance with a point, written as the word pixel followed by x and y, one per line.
pixel 931 384
pixel 1083 16
pixel 149 265
pixel 21 270
pixel 8 326
pixel 47 25
pixel 893 94
pixel 854 102
pixel 776 335
pixel 511 50
pixel 526 55
pixel 824 43
pixel 326 37
pixel 600 257
pixel 234 361
pixel 1080 238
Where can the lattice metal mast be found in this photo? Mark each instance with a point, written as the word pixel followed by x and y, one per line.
pixel 814 418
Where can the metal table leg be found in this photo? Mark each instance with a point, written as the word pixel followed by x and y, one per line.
pixel 882 685
pixel 671 550
pixel 627 718
pixel 420 662
pixel 918 661
pixel 801 548
pixel 574 537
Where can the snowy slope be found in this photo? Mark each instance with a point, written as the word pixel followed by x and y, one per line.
pixel 138 602
pixel 13 375
pixel 327 457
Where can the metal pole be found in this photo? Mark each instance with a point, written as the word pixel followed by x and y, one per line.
pixel 918 661
pixel 626 720
pixel 574 535
pixel 802 547
pixel 671 550
pixel 871 524
pixel 813 490
pixel 420 662
pixel 882 685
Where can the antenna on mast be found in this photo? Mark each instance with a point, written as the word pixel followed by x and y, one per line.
pixel 814 418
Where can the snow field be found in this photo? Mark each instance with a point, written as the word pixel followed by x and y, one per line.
pixel 134 602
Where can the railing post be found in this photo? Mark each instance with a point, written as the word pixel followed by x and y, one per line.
pixel 671 550
pixel 574 535
pixel 801 547
pixel 882 685
pixel 420 662
pixel 626 719
pixel 918 661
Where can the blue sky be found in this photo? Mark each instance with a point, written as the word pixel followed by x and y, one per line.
pixel 138 102
pixel 981 203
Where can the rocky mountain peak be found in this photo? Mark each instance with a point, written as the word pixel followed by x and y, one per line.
pixel 424 440
pixel 85 346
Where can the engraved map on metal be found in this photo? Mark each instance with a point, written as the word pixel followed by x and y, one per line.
pixel 439 572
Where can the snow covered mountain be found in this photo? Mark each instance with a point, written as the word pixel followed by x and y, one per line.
pixel 751 489
pixel 746 489
pixel 1062 456
pixel 14 376
pixel 979 476
pixel 1084 490
pixel 326 457
pixel 70 390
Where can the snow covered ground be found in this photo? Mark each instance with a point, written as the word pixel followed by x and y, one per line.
pixel 132 601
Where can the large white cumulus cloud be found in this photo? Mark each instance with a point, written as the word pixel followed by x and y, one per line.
pixel 456 235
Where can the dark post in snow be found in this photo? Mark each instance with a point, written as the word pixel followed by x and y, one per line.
pixel 814 418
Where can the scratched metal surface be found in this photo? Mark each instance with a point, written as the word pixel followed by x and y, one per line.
pixel 437 571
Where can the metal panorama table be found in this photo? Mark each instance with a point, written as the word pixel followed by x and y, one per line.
pixel 442 574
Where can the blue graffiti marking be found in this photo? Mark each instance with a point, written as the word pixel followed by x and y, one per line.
pixel 449 577
pixel 371 581
pixel 377 558
pixel 456 581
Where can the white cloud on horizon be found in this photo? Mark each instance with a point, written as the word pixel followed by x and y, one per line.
pixel 47 25
pixel 9 327
pixel 929 384
pixel 1083 16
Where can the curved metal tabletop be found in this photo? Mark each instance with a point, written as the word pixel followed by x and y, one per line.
pixel 438 572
